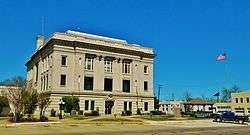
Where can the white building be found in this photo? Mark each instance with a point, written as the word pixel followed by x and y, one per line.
pixel 105 73
pixel 169 107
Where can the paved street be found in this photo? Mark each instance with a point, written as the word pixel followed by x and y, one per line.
pixel 183 127
pixel 180 131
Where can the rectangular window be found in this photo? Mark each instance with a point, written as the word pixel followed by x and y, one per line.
pixel 236 100
pixel 36 72
pixel 44 84
pixel 145 106
pixel 47 83
pixel 241 100
pixel 126 86
pixel 63 61
pixel 108 84
pixel 89 63
pixel 125 106
pixel 88 83
pixel 41 84
pixel 86 105
pixel 130 106
pixel 63 80
pixel 108 65
pixel 247 99
pixel 92 105
pixel 126 67
pixel 145 69
pixel 145 86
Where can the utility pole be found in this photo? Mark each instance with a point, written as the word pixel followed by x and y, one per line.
pixel 159 91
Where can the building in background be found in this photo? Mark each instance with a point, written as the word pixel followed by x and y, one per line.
pixel 198 105
pixel 222 107
pixel 171 107
pixel 106 74
pixel 240 103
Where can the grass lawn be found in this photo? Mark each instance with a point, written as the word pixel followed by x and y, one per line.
pixel 76 125
pixel 155 117
pixel 4 120
pixel 116 119
pixel 165 118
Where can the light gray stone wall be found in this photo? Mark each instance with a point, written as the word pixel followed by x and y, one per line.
pixel 49 64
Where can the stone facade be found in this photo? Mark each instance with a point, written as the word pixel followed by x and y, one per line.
pixel 240 103
pixel 105 73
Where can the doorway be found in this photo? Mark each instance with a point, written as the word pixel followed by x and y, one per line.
pixel 108 107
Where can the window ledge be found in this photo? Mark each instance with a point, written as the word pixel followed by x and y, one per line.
pixel 89 70
pixel 108 72
pixel 128 74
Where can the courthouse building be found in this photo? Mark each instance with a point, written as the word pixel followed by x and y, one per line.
pixel 106 74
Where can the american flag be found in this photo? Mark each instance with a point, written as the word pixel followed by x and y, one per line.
pixel 221 57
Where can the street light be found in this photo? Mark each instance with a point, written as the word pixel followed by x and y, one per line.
pixel 61 104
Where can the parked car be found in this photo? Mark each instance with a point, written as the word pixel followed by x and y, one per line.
pixel 230 116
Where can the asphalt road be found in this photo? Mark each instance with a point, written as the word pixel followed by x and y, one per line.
pixel 180 131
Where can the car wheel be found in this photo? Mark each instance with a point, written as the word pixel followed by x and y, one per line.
pixel 218 120
pixel 241 121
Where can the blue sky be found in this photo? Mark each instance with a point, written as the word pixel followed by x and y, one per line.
pixel 186 35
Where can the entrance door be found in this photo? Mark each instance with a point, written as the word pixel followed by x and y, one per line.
pixel 108 107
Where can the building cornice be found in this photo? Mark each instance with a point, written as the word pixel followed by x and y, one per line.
pixel 78 44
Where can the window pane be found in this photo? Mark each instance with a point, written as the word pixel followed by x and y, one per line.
pixel 63 80
pixel 145 106
pixel 145 85
pixel 63 62
pixel 125 106
pixel 92 105
pixel 126 85
pixel 130 106
pixel 108 84
pixel 88 83
pixel 86 105
pixel 145 69
pixel 126 67
pixel 89 63
pixel 108 65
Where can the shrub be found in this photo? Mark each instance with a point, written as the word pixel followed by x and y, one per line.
pixel 71 103
pixel 126 113
pixel 53 113
pixel 43 118
pixel 73 112
pixel 138 111
pixel 156 112
pixel 3 103
pixel 80 112
pixel 191 114
pixel 92 113
pixel 30 102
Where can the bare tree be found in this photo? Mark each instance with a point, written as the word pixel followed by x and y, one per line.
pixel 187 96
pixel 226 93
pixel 14 95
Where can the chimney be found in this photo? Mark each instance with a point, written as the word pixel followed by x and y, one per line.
pixel 39 42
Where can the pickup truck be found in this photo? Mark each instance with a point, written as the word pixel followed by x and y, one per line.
pixel 230 116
